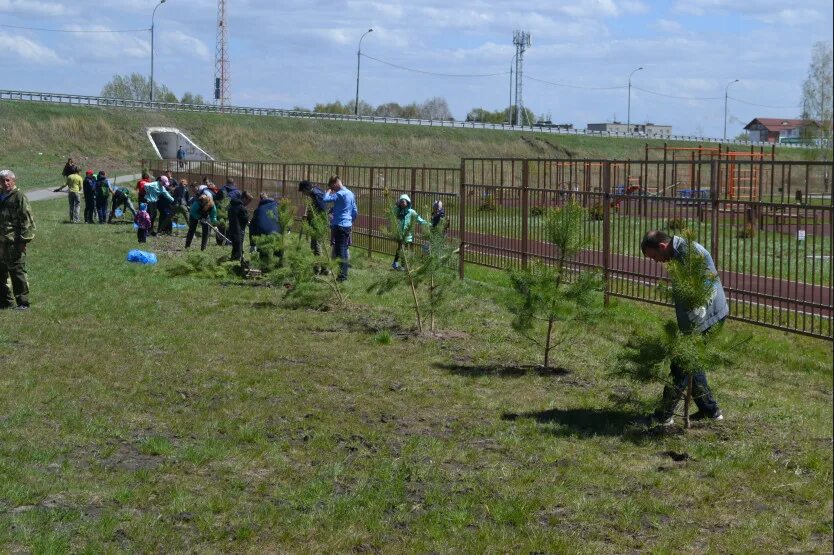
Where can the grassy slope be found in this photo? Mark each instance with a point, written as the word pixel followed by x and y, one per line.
pixel 147 413
pixel 115 139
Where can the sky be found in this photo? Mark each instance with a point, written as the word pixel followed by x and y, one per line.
pixel 295 53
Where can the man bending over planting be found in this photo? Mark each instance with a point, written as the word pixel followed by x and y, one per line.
pixel 661 247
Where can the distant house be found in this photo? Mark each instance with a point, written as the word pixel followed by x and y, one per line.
pixel 775 130
pixel 648 129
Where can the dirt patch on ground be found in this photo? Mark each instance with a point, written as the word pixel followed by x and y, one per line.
pixel 545 147
pixel 127 456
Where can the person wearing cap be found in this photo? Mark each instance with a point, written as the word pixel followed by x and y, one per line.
pixel 406 216
pixel 143 223
pixel 73 184
pixel 103 187
pixel 153 191
pixel 89 187
pixel 165 207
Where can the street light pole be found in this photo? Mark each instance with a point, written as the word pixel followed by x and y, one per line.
pixel 510 112
pixel 358 59
pixel 628 120
pixel 152 26
pixel 726 91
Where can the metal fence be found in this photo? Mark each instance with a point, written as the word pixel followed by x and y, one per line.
pixel 767 224
pixel 83 100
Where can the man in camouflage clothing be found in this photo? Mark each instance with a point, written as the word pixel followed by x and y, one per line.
pixel 17 228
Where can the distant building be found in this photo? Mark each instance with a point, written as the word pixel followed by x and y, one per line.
pixel 551 125
pixel 647 129
pixel 775 130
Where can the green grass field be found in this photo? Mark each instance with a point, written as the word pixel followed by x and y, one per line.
pixel 145 413
pixel 38 138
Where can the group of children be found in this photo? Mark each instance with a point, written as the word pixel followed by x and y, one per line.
pixel 164 198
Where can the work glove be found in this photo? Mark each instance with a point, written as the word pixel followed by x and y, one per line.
pixel 698 314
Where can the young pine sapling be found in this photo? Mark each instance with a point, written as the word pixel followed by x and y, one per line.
pixel 552 294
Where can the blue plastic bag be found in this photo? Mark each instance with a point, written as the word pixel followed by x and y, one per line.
pixel 119 212
pixel 141 257
pixel 175 225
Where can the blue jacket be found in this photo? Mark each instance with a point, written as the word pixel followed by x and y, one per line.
pixel 89 186
pixel 344 207
pixel 264 219
pixel 154 190
pixel 717 310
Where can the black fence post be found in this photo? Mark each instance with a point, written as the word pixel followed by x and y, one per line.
pixel 525 213
pixel 606 230
pixel 462 220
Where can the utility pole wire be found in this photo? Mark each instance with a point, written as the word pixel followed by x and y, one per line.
pixel 575 86
pixel 759 105
pixel 75 31
pixel 433 72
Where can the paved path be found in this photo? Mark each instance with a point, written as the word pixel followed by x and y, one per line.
pixel 48 194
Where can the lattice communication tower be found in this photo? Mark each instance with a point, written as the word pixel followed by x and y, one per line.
pixel 521 40
pixel 221 58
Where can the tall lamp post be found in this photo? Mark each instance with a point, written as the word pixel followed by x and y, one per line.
pixel 726 92
pixel 152 26
pixel 628 120
pixel 510 112
pixel 358 59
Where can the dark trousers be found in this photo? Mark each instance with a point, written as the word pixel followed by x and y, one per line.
pixel 14 285
pixel 341 241
pixel 142 235
pixel 192 228
pixel 152 212
pixel 400 254
pixel 89 209
pixel 315 246
pixel 221 227
pixel 237 247
pixel 101 208
pixel 166 221
pixel 674 392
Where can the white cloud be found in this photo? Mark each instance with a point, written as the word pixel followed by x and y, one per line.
pixel 33 7
pixel 668 26
pixel 30 51
pixel 180 43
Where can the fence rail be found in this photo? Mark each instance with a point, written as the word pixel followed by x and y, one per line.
pixel 82 100
pixel 768 224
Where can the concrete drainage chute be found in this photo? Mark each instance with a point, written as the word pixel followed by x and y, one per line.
pixel 167 140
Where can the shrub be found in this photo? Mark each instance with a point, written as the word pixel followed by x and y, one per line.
pixel 675 225
pixel 488 203
pixel 200 264
pixel 596 213
pixel 747 231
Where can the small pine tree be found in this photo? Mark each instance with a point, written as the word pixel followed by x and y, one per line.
pixel 437 271
pixel 431 267
pixel 553 294
pixel 409 269
pixel 310 278
pixel 647 355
